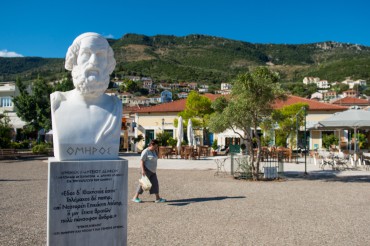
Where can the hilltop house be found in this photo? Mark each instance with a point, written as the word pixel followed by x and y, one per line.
pixel 329 95
pixel 350 93
pixel 352 83
pixel 352 101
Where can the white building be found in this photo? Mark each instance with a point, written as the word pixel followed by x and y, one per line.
pixel 134 101
pixel 310 80
pixel 125 97
pixel 155 100
pixel 203 89
pixel 323 84
pixel 352 83
pixel 317 95
pixel 7 92
pixel 182 95
pixel 226 86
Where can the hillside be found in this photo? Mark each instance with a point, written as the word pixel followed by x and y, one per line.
pixel 212 59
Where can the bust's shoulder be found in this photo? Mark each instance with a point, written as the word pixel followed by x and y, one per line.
pixel 112 98
pixel 56 98
pixel 114 101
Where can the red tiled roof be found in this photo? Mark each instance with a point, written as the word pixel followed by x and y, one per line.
pixel 179 105
pixel 351 101
pixel 312 104
pixel 130 109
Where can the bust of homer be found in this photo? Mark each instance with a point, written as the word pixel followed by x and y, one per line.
pixel 87 122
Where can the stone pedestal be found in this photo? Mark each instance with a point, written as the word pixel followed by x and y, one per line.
pixel 87 202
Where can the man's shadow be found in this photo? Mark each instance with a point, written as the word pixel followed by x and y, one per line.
pixel 183 202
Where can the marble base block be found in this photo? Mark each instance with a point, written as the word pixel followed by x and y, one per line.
pixel 87 202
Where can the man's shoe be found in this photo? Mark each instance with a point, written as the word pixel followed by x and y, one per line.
pixel 137 200
pixel 160 200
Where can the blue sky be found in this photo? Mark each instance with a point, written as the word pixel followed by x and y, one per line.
pixel 46 28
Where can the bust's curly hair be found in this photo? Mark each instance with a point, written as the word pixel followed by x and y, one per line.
pixel 73 50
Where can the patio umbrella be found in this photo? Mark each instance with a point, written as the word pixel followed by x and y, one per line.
pixel 190 131
pixel 180 134
pixel 349 119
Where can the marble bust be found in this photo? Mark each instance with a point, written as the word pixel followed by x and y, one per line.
pixel 86 121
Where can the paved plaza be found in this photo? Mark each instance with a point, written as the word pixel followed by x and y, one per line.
pixel 324 208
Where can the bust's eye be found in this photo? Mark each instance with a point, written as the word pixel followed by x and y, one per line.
pixel 100 53
pixel 85 54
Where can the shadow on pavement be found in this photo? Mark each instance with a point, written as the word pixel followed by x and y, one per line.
pixel 328 176
pixel 183 202
pixel 15 180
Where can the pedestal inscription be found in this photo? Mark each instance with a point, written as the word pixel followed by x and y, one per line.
pixel 87 202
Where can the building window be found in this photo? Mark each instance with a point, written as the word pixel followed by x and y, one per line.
pixel 6 102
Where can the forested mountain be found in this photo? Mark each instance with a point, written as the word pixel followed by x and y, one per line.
pixel 211 59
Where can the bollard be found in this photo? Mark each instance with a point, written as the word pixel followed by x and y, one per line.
pixel 280 164
pixel 232 163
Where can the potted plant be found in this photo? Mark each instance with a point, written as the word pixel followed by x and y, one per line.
pixel 172 142
pixel 214 147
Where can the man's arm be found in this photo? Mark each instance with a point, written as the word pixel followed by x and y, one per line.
pixel 142 168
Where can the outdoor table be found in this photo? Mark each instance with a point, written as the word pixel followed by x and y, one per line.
pixel 220 162
pixel 203 151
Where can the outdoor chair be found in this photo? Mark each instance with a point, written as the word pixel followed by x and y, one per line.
pixel 182 153
pixel 340 161
pixel 161 152
pixel 164 152
pixel 366 160
pixel 189 152
pixel 221 151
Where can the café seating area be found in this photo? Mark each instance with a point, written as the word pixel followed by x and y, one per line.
pixel 186 152
pixel 287 154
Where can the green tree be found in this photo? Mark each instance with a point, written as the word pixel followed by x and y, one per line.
pixel 339 88
pixel 300 89
pixel 366 91
pixel 250 104
pixel 5 131
pixel 129 86
pixel 286 118
pixel 198 109
pixel 34 107
pixel 66 84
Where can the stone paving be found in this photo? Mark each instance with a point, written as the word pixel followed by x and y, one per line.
pixel 324 208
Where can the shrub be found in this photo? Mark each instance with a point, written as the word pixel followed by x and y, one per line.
pixel 40 149
pixel 214 144
pixel 329 140
pixel 265 140
pixel 245 166
pixel 163 138
pixel 172 142
pixel 362 140
pixel 20 145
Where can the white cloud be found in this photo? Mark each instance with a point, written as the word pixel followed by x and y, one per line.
pixel 109 36
pixel 6 53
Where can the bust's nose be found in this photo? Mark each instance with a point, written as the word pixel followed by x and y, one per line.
pixel 93 59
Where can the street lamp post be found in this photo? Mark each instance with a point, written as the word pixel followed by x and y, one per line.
pixel 305 142
pixel 162 125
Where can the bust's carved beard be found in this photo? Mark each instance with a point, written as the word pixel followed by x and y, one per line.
pixel 90 85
